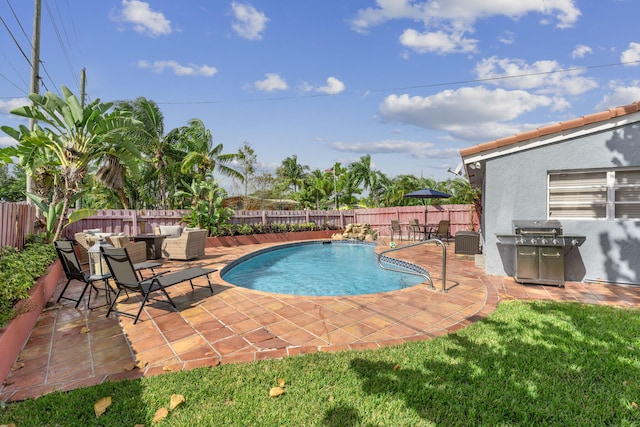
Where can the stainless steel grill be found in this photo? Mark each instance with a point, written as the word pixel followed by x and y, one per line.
pixel 540 248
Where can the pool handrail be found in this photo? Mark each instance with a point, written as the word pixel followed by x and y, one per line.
pixel 444 261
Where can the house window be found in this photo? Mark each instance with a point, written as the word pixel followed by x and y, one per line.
pixel 595 194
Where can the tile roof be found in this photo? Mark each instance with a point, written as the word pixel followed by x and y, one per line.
pixel 553 128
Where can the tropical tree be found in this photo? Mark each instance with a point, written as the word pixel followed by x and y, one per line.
pixel 207 211
pixel 291 172
pixel 74 136
pixel 319 185
pixel 12 185
pixel 378 185
pixel 202 156
pixel 160 154
pixel 361 172
pixel 246 165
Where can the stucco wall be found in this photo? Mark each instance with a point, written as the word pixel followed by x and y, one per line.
pixel 516 188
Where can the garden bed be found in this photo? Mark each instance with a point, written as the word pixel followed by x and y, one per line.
pixel 250 239
pixel 15 334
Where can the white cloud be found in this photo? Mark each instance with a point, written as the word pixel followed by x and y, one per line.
pixel 144 20
pixel 248 23
pixel 580 51
pixel 446 22
pixel 8 105
pixel 543 77
pixel 507 38
pixel 437 42
pixel 271 83
pixel 412 148
pixel 469 113
pixel 179 69
pixel 632 54
pixel 333 87
pixel 621 95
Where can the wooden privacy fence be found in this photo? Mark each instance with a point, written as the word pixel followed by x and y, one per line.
pixel 132 222
pixel 17 221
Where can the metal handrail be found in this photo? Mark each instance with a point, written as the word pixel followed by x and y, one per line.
pixel 428 276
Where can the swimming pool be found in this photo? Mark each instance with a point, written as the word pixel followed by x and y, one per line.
pixel 327 268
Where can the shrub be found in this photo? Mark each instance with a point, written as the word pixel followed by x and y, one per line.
pixel 19 271
pixel 273 227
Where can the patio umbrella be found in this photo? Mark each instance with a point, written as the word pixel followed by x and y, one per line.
pixel 427 193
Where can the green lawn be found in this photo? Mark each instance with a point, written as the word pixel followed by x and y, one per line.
pixel 528 364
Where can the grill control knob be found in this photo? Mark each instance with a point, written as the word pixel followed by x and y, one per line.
pixel 533 241
pixel 543 241
pixel 574 242
pixel 555 241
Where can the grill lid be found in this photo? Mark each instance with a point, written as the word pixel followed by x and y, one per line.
pixel 539 227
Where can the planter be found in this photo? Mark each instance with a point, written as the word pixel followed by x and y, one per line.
pixel 251 239
pixel 14 336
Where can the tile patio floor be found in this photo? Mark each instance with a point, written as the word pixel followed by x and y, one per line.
pixel 71 348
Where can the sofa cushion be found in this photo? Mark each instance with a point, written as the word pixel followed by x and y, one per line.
pixel 170 230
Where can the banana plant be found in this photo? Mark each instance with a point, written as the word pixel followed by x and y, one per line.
pixel 53 211
pixel 73 136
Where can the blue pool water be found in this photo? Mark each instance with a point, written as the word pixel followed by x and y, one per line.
pixel 318 269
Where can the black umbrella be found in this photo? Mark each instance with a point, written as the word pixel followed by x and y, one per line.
pixel 427 193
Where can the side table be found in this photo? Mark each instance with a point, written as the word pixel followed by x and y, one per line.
pixel 154 244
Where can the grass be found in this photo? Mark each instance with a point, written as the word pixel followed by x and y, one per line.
pixel 527 364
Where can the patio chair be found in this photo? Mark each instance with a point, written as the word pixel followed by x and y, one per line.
pixel 137 250
pixel 189 245
pixel 72 270
pixel 415 229
pixel 395 228
pixel 125 277
pixel 442 232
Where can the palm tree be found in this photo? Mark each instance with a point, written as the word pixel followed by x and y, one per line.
pixel 158 149
pixel 291 172
pixel 75 137
pixel 320 185
pixel 202 157
pixel 362 172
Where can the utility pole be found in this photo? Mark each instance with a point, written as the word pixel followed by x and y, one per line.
pixel 83 85
pixel 35 71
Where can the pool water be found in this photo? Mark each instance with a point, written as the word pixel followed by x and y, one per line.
pixel 318 269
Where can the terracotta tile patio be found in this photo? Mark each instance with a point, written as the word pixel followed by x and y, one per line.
pixel 71 348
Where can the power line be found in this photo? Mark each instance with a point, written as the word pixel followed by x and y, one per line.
pixel 15 41
pixel 452 83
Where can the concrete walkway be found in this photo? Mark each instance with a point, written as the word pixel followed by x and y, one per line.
pixel 71 348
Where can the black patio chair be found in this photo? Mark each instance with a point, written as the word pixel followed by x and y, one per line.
pixel 124 275
pixel 72 270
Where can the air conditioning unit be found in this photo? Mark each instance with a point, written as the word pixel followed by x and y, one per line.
pixel 467 243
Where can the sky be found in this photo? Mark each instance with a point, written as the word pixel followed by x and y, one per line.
pixel 408 82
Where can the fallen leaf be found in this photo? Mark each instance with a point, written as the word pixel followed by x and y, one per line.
pixel 9 425
pixel 160 415
pixel 624 383
pixel 280 382
pixel 396 367
pixel 85 330
pixel 141 364
pixel 17 366
pixel 167 368
pixel 634 404
pixel 101 406
pixel 129 367
pixel 276 391
pixel 139 425
pixel 176 400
